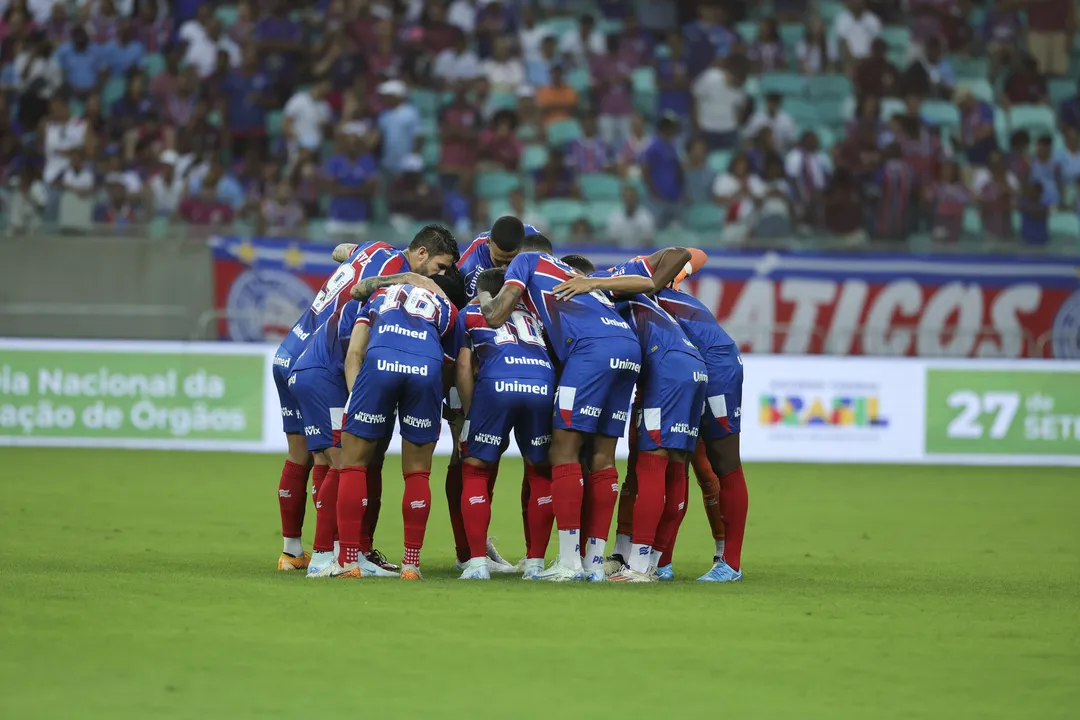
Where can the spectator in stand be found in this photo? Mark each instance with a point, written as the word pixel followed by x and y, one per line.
pixel 631 225
pixel 855 30
pixel 154 26
pixel 611 92
pixel 589 153
pixel 242 31
pixel 81 62
pixel 97 126
pixel 500 147
pixel 26 207
pixel 1044 169
pixel 1001 32
pixel 117 209
pixel 437 33
pixel 708 38
pixel 166 82
pixel 697 174
pixel 977 136
pixel 817 51
pixel 538 68
pixel 558 100
pixel 104 24
pixel 636 46
pixel 767 52
pixel 462 14
pixel 38 75
pixel 720 104
pixel 179 107
pixel 459 133
pixel 947 199
pixel 41 10
pixel 411 198
pixel 896 193
pixel 576 46
pixel 920 145
pixel 1067 162
pixel 1026 85
pixel 630 152
pixel 203 208
pixel 57 27
pixel 529 119
pixel 808 169
pixel 930 74
pixel 996 191
pixel 64 136
pixel 531 35
pixel 493 23
pixel 843 208
pixel 280 214
pixel 658 17
pixel 76 184
pixel 662 172
pixel 125 54
pixel 791 11
pixel 1034 214
pixel 307 179
pixel 304 119
pixel 166 187
pixel 673 81
pixel 1019 158
pixel 738 191
pixel 1051 25
pixel 247 99
pixel 763 151
pixel 280 42
pixel 616 9
pixel 1069 113
pixel 875 75
pixel 351 178
pixel 194 30
pixel 555 179
pixel 224 188
pixel 504 72
pixel 777 203
pixel 203 49
pixel 456 64
pixel 581 232
pixel 772 116
pixel 525 212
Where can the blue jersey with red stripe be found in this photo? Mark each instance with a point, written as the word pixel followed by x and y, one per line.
pixel 477 258
pixel 367 260
pixel 697 321
pixel 591 315
pixel 656 330
pixel 404 318
pixel 330 342
pixel 517 349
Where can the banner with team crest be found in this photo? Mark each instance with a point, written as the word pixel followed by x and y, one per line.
pixel 786 302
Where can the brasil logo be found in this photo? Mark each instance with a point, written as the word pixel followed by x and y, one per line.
pixel 844 411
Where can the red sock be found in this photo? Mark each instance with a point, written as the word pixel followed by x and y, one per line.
pixel 453 504
pixel 415 509
pixel 292 498
pixel 351 501
pixel 603 494
pixel 674 510
pixel 735 501
pixel 525 507
pixel 541 511
pixel 371 513
pixel 567 492
pixel 318 475
pixel 326 513
pixel 475 507
pixel 649 506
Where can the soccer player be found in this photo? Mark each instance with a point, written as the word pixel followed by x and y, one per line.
pixel 512 390
pixel 426 256
pixel 394 365
pixel 671 395
pixel 600 359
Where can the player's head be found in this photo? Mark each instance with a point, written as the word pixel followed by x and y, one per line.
pixel 432 250
pixel 580 263
pixel 490 280
pixel 453 284
pixel 536 243
pixel 505 238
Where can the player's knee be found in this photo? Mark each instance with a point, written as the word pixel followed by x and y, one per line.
pixel 724 455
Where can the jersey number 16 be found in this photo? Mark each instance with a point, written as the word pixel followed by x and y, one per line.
pixel 524 329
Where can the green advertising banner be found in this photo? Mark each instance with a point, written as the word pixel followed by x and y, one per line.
pixel 131 395
pixel 1003 412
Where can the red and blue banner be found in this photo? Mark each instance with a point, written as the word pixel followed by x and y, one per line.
pixel 773 302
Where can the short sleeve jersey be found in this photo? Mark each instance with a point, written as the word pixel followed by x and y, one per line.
pixel 409 319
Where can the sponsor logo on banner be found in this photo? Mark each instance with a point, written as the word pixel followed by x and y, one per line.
pixel 263 304
pixel 842 407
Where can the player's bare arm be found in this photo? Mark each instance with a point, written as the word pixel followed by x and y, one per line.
pixel 366 288
pixel 580 285
pixel 465 377
pixel 354 358
pixel 666 265
pixel 343 251
pixel 497 309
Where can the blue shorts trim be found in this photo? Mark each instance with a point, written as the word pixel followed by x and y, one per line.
pixel 672 398
pixel 723 397
pixel 292 421
pixel 393 380
pixel 597 383
pixel 322 396
pixel 498 406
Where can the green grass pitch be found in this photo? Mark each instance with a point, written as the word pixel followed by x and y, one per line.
pixel 142 585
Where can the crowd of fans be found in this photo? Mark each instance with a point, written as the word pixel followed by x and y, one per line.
pixel 613 120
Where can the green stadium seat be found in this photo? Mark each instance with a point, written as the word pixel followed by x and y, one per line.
pixel 274 121
pixel 941 113
pixel 503 101
pixel 979 87
pixel 560 26
pixel 563 132
pixel 974 67
pixel 431 152
pixel 578 78
pixel 803 112
pixel 891 107
pixel 610 26
pixel 792 33
pixel 829 86
pixel 534 158
pixel 783 83
pixel 719 160
pixel 1033 118
pixel 644 79
pixel 113 91
pixel 1065 225
pixel 158 228
pixel 747 30
pixel 972 221
pixel 316 229
pixel 704 217
pixel 597 213
pixel 896 37
pixel 426 102
pixel 496 184
pixel 561 211
pixel 829 9
pixel 228 15
pixel 1061 89
pixel 154 64
pixel 600 186
pixel 826 136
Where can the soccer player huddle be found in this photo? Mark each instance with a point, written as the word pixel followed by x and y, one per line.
pixel 508 339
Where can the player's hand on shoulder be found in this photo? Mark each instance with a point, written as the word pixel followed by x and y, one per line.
pixel 424 283
pixel 577 285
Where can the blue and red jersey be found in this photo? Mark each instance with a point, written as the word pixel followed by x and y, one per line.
pixel 328 345
pixel 517 349
pixel 697 321
pixel 477 258
pixel 367 261
pixel 404 318
pixel 592 316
